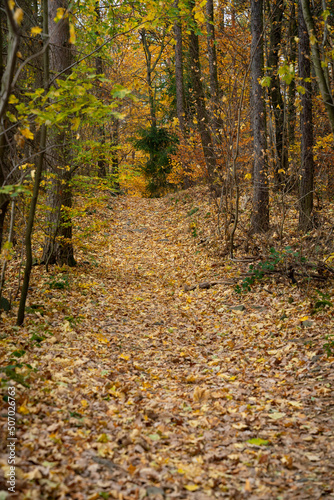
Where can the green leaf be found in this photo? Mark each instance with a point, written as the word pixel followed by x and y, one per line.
pixel 325 14
pixel 154 437
pixel 258 441
pixel 120 91
pixel 266 81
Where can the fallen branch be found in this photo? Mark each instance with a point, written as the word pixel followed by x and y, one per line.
pixel 205 285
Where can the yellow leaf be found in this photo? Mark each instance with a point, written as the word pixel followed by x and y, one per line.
pixel 297 404
pixel 60 14
pixel 84 403
pixel 23 410
pixel 102 438
pixel 191 487
pixel 281 171
pixel 11 4
pixel 76 123
pixel 330 258
pixel 124 356
pixel 313 39
pixel 18 16
pixel 27 133
pixel 248 176
pixel 72 34
pixel 304 318
pixel 12 99
pixel 36 30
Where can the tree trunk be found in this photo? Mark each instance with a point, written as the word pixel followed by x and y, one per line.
pixel 276 100
pixel 58 247
pixel 6 78
pixel 212 55
pixel 3 211
pixel 37 180
pixel 114 155
pixel 260 216
pixel 317 62
pixel 199 101
pixel 306 127
pixel 293 31
pixel 149 71
pixel 101 163
pixel 179 72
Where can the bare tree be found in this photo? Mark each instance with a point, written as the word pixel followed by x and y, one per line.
pixel 306 126
pixel 260 216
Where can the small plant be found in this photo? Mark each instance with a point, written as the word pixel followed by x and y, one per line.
pixel 192 211
pixel 10 370
pixel 193 229
pixel 73 320
pixel 329 346
pixel 258 272
pixel 322 303
pixel 59 283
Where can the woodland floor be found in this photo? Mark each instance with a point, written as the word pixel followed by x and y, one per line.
pixel 145 390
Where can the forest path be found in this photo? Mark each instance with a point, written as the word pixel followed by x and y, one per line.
pixel 148 390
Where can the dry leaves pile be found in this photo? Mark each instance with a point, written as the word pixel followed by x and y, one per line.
pixel 144 390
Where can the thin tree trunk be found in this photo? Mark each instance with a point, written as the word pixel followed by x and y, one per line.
pixel 316 60
pixel 293 31
pixel 260 216
pixel 101 163
pixel 114 157
pixel 213 71
pixel 179 72
pixel 199 101
pixel 37 180
pixel 3 212
pixel 149 71
pixel 306 127
pixel 276 99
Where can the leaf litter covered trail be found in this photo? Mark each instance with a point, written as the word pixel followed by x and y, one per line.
pixel 146 391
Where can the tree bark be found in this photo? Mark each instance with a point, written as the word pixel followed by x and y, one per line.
pixel 58 247
pixel 101 163
pixel 37 180
pixel 276 100
pixel 316 60
pixel 179 72
pixel 114 155
pixel 199 102
pixel 213 71
pixel 306 127
pixel 260 216
pixel 293 31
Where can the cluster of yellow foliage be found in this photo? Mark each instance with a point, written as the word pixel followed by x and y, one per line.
pixel 188 163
